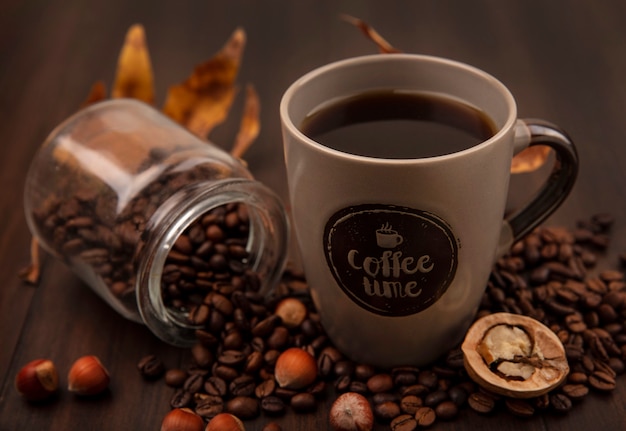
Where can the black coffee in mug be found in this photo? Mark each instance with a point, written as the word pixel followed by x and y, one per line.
pixel 395 124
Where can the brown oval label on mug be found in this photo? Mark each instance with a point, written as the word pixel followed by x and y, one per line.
pixel 391 260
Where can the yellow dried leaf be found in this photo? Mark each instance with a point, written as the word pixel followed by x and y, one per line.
pixel 96 94
pixel 530 159
pixel 384 46
pixel 250 123
pixel 204 99
pixel 134 77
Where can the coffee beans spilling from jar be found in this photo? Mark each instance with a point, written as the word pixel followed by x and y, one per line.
pixel 550 275
pixel 207 266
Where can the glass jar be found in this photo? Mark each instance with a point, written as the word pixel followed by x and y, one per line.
pixel 151 217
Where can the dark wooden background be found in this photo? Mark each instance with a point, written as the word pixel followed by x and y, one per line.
pixel 565 62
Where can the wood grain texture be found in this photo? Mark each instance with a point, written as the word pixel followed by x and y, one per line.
pixel 564 61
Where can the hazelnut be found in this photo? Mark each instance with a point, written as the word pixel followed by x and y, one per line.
pixel 351 412
pixel 182 420
pixel 514 355
pixel 295 369
pixel 292 311
pixel 225 422
pixel 87 376
pixel 37 380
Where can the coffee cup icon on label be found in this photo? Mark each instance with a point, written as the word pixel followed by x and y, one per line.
pixel 386 237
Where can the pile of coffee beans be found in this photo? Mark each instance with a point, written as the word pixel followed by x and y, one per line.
pixel 550 275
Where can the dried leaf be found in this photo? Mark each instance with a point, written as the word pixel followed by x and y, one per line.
pixel 31 273
pixel 134 77
pixel 384 46
pixel 97 93
pixel 530 159
pixel 250 124
pixel 203 100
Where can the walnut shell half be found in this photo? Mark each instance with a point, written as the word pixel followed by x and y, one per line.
pixel 514 355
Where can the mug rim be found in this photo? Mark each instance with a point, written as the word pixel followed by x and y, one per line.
pixel 303 80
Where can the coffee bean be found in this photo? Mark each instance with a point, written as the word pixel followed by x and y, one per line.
pixel 215 386
pixel 560 403
pixel 435 398
pixel 265 327
pixel 254 362
pixel 410 403
pixel 444 372
pixel 573 352
pixel 303 402
pixel 575 322
pixel 318 343
pixel 575 391
pixel 244 385
pixel 417 390
pixel 273 405
pixel 447 410
pixel 285 393
pixel 404 376
pixel 175 377
pixel 405 422
pixel 363 372
pixel 615 299
pixel 382 397
pixel 380 383
pixel 386 411
pixel 425 416
pixel 602 381
pixel 232 340
pixel 342 384
pixel 181 398
pixel 325 365
pixel 209 406
pixel 577 378
pixel 151 367
pixel 243 407
pixel 343 368
pixel 279 338
pixel 458 395
pixel 225 372
pixel 481 402
pixel 317 389
pixel 232 358
pixel 202 355
pixel 265 388
pixel 193 383
pixel 271 356
pixel 358 387
pixel 206 338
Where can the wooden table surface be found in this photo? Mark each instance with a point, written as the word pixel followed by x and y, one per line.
pixel 564 61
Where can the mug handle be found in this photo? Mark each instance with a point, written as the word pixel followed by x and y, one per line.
pixel 556 188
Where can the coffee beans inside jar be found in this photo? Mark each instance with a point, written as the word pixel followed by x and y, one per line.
pixel 552 275
pixel 151 217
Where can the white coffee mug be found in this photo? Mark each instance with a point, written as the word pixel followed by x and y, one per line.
pixel 398 251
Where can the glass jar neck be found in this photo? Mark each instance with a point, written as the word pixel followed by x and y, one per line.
pixel 266 246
